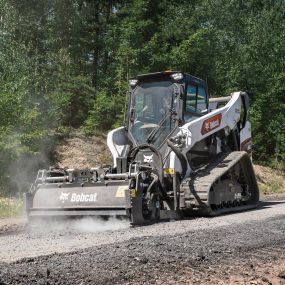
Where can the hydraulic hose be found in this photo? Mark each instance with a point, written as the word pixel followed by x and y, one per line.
pixel 180 156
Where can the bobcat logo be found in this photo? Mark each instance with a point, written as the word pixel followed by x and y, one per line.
pixel 148 158
pixel 63 197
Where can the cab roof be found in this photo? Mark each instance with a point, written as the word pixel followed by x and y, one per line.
pixel 166 74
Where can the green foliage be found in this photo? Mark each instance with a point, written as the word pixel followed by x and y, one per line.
pixel 268 118
pixel 104 114
pixel 65 64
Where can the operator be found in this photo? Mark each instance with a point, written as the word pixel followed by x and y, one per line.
pixel 165 106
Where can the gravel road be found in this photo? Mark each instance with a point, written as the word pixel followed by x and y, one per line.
pixel 241 248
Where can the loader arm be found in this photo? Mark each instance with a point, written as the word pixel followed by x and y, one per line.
pixel 225 117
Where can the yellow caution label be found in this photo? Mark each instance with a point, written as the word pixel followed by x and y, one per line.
pixel 169 171
pixel 133 193
pixel 121 191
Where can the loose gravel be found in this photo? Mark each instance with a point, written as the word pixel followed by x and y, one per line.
pixel 201 251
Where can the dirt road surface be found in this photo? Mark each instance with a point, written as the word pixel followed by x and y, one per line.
pixel 241 248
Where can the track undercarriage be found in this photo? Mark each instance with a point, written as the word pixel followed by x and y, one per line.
pixel 227 185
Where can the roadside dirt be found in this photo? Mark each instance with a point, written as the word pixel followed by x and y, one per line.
pixel 79 151
pixel 12 225
pixel 261 273
pixel 270 180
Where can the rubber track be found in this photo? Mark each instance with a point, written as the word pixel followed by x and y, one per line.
pixel 196 188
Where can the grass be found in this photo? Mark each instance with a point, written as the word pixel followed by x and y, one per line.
pixel 11 207
pixel 273 187
pixel 270 181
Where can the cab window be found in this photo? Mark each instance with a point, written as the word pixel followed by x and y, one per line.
pixel 191 98
pixel 196 99
pixel 201 99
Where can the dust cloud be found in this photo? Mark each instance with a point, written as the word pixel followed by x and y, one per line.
pixel 82 225
pixel 89 224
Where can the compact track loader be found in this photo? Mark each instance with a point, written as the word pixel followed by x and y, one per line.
pixel 180 153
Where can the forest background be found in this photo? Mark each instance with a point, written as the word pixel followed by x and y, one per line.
pixel 65 64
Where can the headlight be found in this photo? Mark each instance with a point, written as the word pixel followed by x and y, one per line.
pixel 177 76
pixel 133 82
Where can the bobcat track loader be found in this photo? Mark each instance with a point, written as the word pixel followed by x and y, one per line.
pixel 180 153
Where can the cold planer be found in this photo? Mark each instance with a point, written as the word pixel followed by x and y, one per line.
pixel 60 192
pixel 179 153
